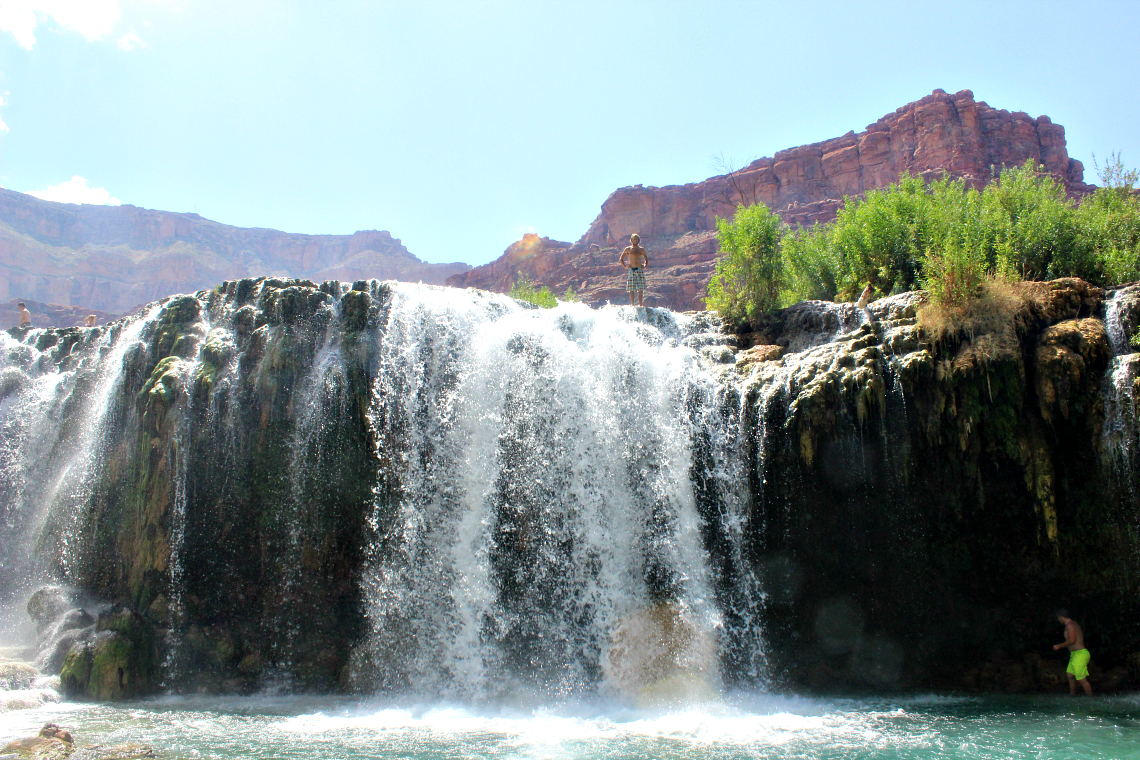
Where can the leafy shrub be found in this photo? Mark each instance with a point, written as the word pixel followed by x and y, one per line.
pixel 882 237
pixel 811 265
pixel 525 289
pixel 749 272
pixel 954 274
pixel 1110 220
pixel 943 236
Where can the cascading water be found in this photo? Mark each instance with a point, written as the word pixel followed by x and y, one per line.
pixel 1121 436
pixel 552 501
pixel 541 507
pixel 59 398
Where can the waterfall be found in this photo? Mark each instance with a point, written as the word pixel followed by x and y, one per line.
pixel 541 496
pixel 553 501
pixel 1121 436
pixel 58 398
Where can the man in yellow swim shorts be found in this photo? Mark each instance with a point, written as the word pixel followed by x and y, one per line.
pixel 1078 670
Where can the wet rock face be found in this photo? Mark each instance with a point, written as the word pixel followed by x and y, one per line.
pixel 221 443
pixel 934 500
pixel 120 661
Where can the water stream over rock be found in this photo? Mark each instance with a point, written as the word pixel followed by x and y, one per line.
pixel 400 489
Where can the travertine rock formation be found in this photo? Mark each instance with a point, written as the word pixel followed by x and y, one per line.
pixel 805 185
pixel 114 259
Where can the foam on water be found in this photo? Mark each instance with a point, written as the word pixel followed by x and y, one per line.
pixel 753 726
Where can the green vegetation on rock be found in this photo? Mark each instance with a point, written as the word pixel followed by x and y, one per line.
pixel 526 290
pixel 749 274
pixel 943 236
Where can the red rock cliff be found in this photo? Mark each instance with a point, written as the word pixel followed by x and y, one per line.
pixel 804 185
pixel 113 258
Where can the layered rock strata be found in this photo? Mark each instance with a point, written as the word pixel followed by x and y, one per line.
pixel 114 259
pixel 804 185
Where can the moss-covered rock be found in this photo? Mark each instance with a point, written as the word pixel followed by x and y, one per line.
pixel 119 662
pixel 938 485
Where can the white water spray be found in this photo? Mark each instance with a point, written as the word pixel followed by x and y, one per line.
pixel 542 492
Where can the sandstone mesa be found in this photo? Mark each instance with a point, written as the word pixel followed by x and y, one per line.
pixel 114 259
pixel 804 185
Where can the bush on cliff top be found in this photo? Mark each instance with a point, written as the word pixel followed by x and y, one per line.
pixel 749 273
pixel 525 289
pixel 942 236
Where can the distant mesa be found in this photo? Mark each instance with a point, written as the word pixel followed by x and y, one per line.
pixel 113 258
pixel 804 185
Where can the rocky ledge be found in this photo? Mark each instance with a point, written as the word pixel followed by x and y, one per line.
pixel 926 495
pixel 55 743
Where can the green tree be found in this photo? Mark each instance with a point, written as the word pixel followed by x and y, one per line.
pixel 811 265
pixel 749 271
pixel 1110 219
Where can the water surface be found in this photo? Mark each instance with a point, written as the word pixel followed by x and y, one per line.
pixel 743 726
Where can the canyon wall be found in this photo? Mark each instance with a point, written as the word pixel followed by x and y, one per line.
pixel 116 258
pixel 804 185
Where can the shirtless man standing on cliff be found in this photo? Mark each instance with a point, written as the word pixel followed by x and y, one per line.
pixel 635 259
pixel 1078 670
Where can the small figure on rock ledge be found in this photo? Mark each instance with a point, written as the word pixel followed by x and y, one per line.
pixel 25 315
pixel 635 259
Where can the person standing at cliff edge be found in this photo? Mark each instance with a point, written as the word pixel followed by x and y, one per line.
pixel 25 315
pixel 635 259
pixel 1078 670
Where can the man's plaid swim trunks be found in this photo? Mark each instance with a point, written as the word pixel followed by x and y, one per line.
pixel 636 279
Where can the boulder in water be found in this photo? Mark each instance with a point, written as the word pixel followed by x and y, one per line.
pixel 16 675
pixel 47 605
pixel 52 743
pixel 12 380
pixel 53 651
pixel 661 656
pixel 53 731
pixel 119 662
pixel 128 751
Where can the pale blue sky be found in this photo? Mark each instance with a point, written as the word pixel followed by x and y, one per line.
pixel 457 126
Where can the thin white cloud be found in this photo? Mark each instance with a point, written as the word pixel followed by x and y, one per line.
pixel 75 190
pixel 91 18
pixel 130 41
pixel 3 126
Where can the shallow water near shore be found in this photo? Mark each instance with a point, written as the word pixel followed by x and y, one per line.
pixel 742 726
